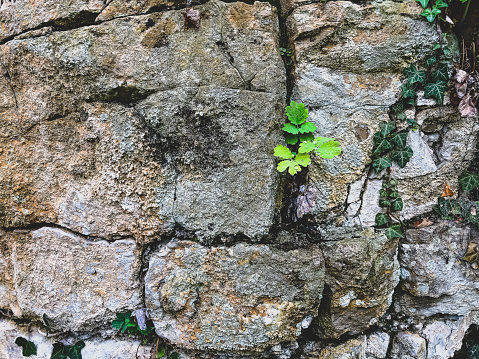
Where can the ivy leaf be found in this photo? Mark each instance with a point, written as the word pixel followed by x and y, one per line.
pixel 290 128
pixel 283 152
pixel 402 157
pixel 303 159
pixel 297 113
pixel 383 146
pixel 430 14
pixel 440 3
pixel 291 139
pixel 398 107
pixel 174 355
pixel 59 351
pixel 306 137
pixel 377 138
pixel 28 347
pixel 306 147
pixel 329 149
pixel 394 231
pixel 435 90
pixel 414 75
pixel 431 61
pixel 441 74
pixel 381 218
pixel 385 128
pixel 423 3
pixel 407 91
pixel 74 351
pixel 400 139
pixel 117 324
pixel 381 163
pixel 384 202
pixel 394 194
pixel 397 205
pixel 401 116
pixel 383 193
pixel 469 181
pixel 307 127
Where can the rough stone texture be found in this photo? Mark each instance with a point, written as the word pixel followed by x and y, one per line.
pixel 434 277
pixel 445 337
pixel 246 297
pixel 132 131
pixel 95 348
pixel 349 60
pixel 77 283
pixel 408 346
pixel 361 273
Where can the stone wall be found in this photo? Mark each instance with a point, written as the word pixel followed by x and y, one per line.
pixel 137 170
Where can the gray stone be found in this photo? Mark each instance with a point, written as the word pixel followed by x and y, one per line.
pixel 77 283
pixel 361 273
pixel 408 346
pixel 445 337
pixel 241 298
pixel 377 345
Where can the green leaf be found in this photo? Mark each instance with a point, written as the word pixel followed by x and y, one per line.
pixel 117 324
pixel 161 351
pixel 394 231
pixel 401 116
pixel 431 61
pixel 441 74
pixel 398 106
pixel 377 138
pixel 469 181
pixel 74 351
pixel 435 90
pixel 407 91
pixel 440 3
pixel 381 163
pixel 414 76
pixel 297 113
pixel 174 355
pixel 402 157
pixel 400 139
pixel 290 128
pixel 306 137
pixel 384 203
pixel 393 182
pixel 383 194
pixel 430 14
pixel 283 165
pixel 423 3
pixel 397 204
pixel 303 159
pixel 291 139
pixel 385 128
pixel 329 149
pixel 381 218
pixel 28 347
pixel 59 351
pixel 307 127
pixel 394 194
pixel 283 152
pixel 382 147
pixel 306 147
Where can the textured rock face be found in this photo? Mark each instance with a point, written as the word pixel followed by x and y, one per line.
pixel 245 297
pixel 131 140
pixel 77 283
pixel 408 346
pixel 361 273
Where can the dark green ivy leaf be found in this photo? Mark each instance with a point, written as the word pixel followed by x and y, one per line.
pixel 401 116
pixel 385 128
pixel 440 3
pixel 407 91
pixel 435 90
pixel 394 231
pixel 423 3
pixel 469 181
pixel 400 139
pixel 383 193
pixel 384 203
pixel 394 194
pixel 441 74
pixel 417 76
pixel 382 147
pixel 59 351
pixel 74 351
pixel 381 163
pixel 28 347
pixel 397 204
pixel 398 107
pixel 381 218
pixel 402 157
pixel 431 61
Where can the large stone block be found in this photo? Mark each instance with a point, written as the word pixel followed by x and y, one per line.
pixel 362 271
pixel 77 283
pixel 240 298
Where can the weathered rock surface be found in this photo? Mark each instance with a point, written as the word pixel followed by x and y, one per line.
pixel 77 283
pixel 361 273
pixel 433 274
pixel 408 346
pixel 445 337
pixel 132 132
pixel 241 298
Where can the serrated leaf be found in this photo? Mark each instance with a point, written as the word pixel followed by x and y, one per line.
pixel 283 165
pixel 402 157
pixel 295 168
pixel 382 147
pixel 291 139
pixel 431 61
pixel 307 127
pixel 384 203
pixel 436 90
pixel 303 159
pixel 329 149
pixel 469 181
pixel 385 128
pixel 423 3
pixel 306 147
pixel 381 163
pixel 283 152
pixel 416 76
pixel 397 204
pixel 290 128
pixel 297 113
pixel 394 231
pixel 320 140
pixel 306 137
pixel 381 218
pixel 28 347
pixel 407 91
pixel 441 74
pixel 400 139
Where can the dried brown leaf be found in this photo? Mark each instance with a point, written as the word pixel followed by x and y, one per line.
pixel 466 106
pixel 447 191
pixel 471 253
pixel 424 223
